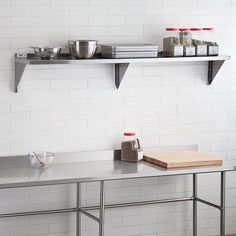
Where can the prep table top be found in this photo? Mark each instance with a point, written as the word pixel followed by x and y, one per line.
pixel 64 173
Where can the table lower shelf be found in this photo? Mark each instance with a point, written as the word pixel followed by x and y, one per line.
pixel 101 218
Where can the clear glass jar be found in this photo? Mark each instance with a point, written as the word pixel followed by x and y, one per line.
pixel 209 36
pixel 198 42
pixel 197 36
pixel 186 40
pixel 171 43
pixel 210 41
pixel 185 36
pixel 173 35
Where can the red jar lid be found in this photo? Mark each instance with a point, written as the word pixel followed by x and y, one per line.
pixel 208 28
pixel 171 29
pixel 184 29
pixel 196 29
pixel 129 134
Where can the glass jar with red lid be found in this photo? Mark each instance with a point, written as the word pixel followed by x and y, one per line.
pixel 210 40
pixel 198 42
pixel 185 36
pixel 197 36
pixel 171 43
pixel 186 40
pixel 209 36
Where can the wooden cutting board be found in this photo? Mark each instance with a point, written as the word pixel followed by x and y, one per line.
pixel 181 159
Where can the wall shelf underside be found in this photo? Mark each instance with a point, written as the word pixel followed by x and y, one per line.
pixel 121 65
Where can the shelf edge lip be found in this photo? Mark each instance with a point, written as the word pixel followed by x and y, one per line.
pixel 124 60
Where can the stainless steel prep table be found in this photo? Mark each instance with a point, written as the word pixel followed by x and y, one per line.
pixel 102 171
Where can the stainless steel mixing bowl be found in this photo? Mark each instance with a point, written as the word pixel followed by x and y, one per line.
pixel 82 49
pixel 46 52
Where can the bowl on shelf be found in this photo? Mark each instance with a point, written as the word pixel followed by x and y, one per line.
pixel 46 53
pixel 41 159
pixel 82 49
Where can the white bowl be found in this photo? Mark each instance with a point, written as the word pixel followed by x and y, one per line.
pixel 41 159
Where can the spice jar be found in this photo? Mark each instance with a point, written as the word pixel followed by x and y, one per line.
pixel 198 42
pixel 186 40
pixel 210 40
pixel 130 148
pixel 171 43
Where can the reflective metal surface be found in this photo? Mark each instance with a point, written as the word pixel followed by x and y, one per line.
pixel 194 204
pixel 82 49
pixel 121 65
pixel 102 209
pixel 222 203
pixel 46 52
pixel 15 175
pixel 63 173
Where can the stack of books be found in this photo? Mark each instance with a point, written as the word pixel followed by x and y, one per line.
pixel 129 50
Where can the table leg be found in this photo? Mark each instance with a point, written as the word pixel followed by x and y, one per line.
pixel 102 208
pixel 78 214
pixel 222 204
pixel 194 205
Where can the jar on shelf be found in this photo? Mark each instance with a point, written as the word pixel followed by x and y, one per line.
pixel 198 42
pixel 130 148
pixel 171 43
pixel 186 40
pixel 210 40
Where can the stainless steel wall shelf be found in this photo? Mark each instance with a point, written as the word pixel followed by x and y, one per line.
pixel 121 65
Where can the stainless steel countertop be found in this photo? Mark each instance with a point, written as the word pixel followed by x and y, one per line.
pixel 64 173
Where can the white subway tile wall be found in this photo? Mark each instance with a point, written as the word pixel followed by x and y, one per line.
pixel 76 108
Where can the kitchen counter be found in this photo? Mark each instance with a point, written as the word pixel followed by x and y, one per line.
pixel 15 172
pixel 65 173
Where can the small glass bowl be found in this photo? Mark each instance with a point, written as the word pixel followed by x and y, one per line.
pixel 41 159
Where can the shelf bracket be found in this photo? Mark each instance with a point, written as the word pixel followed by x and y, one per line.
pixel 120 70
pixel 20 64
pixel 213 68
